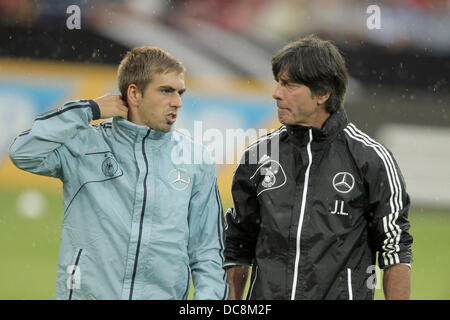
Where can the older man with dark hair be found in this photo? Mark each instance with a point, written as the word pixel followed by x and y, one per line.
pixel 311 218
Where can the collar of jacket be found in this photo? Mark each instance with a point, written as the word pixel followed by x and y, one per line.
pixel 131 131
pixel 334 124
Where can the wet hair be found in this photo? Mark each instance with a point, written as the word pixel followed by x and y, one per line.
pixel 141 64
pixel 317 64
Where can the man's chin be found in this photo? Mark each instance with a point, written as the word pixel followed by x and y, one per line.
pixel 162 128
pixel 284 121
pixel 166 128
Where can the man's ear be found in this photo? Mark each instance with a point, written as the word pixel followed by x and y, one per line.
pixel 322 98
pixel 134 96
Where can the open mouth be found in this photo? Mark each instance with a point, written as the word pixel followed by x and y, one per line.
pixel 171 118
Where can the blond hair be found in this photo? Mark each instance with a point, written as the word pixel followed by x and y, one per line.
pixel 141 64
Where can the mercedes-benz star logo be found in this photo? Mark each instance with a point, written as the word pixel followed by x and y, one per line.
pixel 179 179
pixel 343 182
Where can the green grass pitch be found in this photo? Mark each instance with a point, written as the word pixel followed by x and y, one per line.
pixel 29 250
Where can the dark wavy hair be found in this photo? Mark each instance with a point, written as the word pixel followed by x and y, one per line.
pixel 317 64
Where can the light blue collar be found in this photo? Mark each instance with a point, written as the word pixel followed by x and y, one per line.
pixel 130 129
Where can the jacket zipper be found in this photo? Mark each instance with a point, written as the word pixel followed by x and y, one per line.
pixel 253 284
pixel 77 260
pixel 302 214
pixel 349 284
pixel 142 217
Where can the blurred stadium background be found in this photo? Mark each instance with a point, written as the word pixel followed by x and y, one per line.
pixel 399 92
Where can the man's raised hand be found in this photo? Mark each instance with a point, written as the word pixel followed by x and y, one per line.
pixel 112 105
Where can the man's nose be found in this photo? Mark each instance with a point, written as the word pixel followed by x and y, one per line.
pixel 276 94
pixel 176 101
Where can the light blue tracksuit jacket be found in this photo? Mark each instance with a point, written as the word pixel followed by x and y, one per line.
pixel 139 218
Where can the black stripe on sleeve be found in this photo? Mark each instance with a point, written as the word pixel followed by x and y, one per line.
pixel 95 109
pixel 25 133
pixel 61 111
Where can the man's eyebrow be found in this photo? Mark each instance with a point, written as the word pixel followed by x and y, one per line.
pixel 172 89
pixel 288 82
pixel 284 80
pixel 168 88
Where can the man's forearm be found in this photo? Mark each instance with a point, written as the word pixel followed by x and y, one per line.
pixel 397 282
pixel 237 278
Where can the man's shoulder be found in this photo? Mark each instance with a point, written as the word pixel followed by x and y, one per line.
pixel 266 139
pixel 89 138
pixel 264 150
pixel 366 148
pixel 189 151
pixel 180 137
pixel 104 125
pixel 94 130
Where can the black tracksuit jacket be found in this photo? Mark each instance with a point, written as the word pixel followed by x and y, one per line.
pixel 312 207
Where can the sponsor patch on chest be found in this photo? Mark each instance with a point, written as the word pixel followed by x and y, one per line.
pixel 343 182
pixel 179 179
pixel 272 174
pixel 109 166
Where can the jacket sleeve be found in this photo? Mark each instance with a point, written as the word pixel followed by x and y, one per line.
pixel 206 239
pixel 38 150
pixel 388 218
pixel 242 222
